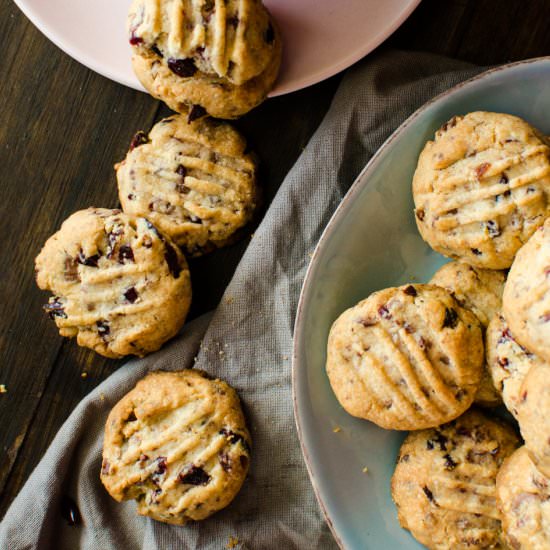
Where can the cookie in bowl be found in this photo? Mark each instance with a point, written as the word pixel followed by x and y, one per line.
pixel 217 57
pixel 526 299
pixel 533 416
pixel 195 181
pixel 406 358
pixel 444 484
pixel 480 291
pixel 119 287
pixel 523 498
pixel 481 188
pixel 178 445
pixel 508 362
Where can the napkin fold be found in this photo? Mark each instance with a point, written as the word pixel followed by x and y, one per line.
pixel 247 341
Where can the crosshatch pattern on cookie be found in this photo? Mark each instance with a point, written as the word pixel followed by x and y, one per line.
pixel 178 445
pixel 193 181
pixel 444 482
pixel 227 38
pixel 481 188
pixel 119 286
pixel 398 358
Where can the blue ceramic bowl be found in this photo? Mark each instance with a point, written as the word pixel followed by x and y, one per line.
pixel 372 243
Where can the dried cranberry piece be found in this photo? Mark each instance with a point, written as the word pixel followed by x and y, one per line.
pixel 194 475
pixel 225 461
pixel 155 50
pixel 69 511
pixel 449 124
pixel 131 295
pixel 450 464
pixel 504 178
pixel 503 362
pixel 384 312
pixel 172 260
pixel 545 317
pixel 235 438
pixel 476 251
pixel 105 467
pixel 183 189
pixel 161 465
pixel 366 322
pixel 182 67
pixel 139 139
pixel 90 261
pixel 125 252
pixel 233 21
pixel 410 291
pixel 420 214
pixel 428 494
pixel 451 318
pixel 54 308
pixel 181 170
pixel 103 328
pixel 481 169
pixel 197 111
pixel 493 228
pixel 135 40
pixel 269 35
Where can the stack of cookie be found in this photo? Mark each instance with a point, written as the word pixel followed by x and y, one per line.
pixel 178 442
pixel 418 356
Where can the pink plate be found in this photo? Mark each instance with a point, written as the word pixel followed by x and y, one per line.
pixel 321 37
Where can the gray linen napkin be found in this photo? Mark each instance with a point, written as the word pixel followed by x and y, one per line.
pixel 246 341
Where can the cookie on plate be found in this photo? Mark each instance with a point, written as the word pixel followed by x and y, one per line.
pixel 534 416
pixel 406 358
pixel 177 444
pixel 119 286
pixel 508 362
pixel 480 291
pixel 526 300
pixel 481 188
pixel 444 482
pixel 220 58
pixel 193 181
pixel 523 498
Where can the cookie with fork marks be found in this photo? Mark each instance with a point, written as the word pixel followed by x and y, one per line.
pixel 177 444
pixel 120 287
pixel 444 482
pixel 481 188
pixel 194 181
pixel 406 358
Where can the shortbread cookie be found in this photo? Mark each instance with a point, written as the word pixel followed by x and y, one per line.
pixel 444 482
pixel 193 181
pixel 481 188
pixel 480 291
pixel 523 498
pixel 220 58
pixel 119 286
pixel 406 358
pixel 534 416
pixel 526 300
pixel 177 444
pixel 508 362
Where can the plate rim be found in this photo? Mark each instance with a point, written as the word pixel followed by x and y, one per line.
pixel 356 186
pixel 89 62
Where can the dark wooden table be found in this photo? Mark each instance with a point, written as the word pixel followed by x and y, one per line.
pixel 63 127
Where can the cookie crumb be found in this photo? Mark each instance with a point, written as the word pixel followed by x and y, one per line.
pixel 365 470
pixel 337 429
pixel 229 300
pixel 102 396
pixel 3 389
pixel 84 375
pixel 233 542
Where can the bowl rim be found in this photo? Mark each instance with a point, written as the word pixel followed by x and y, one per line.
pixel 355 188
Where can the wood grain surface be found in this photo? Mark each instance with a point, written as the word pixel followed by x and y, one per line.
pixel 62 129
